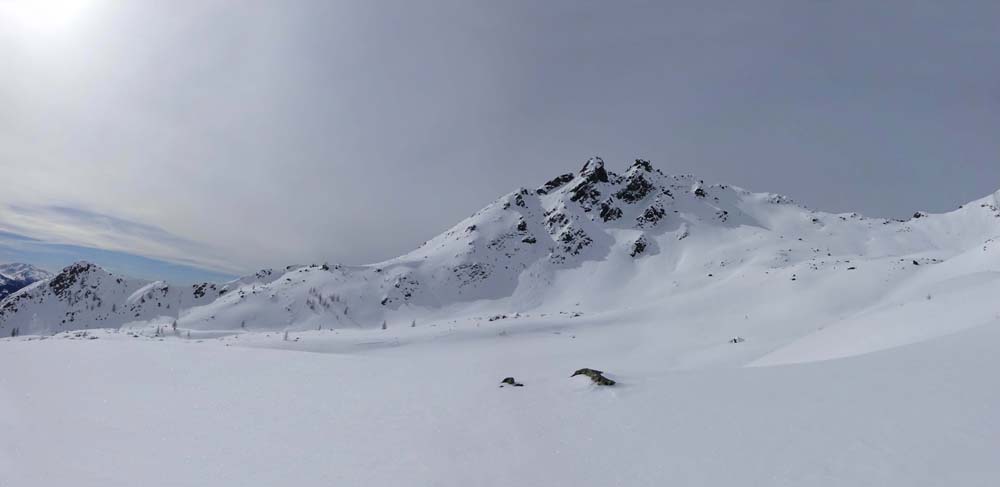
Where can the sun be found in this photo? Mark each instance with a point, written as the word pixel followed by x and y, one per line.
pixel 43 16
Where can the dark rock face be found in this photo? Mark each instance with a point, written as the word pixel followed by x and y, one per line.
pixel 69 276
pixel 593 171
pixel 609 212
pixel 700 193
pixel 201 289
pixel 472 272
pixel 596 376
pixel 636 189
pixel 585 193
pixel 651 216
pixel 511 382
pixel 555 220
pixel 574 240
pixel 642 164
pixel 639 246
pixel 555 183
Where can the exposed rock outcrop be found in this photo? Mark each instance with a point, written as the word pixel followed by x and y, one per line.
pixel 596 376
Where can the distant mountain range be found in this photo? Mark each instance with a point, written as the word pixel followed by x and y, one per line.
pixel 14 277
pixel 590 241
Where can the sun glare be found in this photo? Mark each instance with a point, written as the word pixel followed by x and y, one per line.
pixel 43 16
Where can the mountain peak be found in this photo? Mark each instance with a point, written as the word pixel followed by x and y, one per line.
pixel 71 275
pixel 641 165
pixel 79 267
pixel 594 171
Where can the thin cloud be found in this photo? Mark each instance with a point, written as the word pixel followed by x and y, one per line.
pixel 79 227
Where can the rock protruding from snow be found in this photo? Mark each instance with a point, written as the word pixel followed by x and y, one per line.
pixel 639 246
pixel 510 382
pixel 555 183
pixel 596 376
pixel 75 275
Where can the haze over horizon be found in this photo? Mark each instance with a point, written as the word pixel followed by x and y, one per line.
pixel 206 139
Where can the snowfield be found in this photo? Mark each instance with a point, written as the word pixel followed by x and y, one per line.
pixel 118 411
pixel 754 342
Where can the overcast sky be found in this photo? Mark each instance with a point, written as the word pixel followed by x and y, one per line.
pixel 234 135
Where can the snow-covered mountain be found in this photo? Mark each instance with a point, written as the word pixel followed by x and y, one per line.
pixel 14 277
pixel 582 243
pixel 685 294
pixel 84 295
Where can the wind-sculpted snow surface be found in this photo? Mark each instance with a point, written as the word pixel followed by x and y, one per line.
pixel 642 246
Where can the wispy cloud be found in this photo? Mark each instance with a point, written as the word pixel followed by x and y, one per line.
pixel 52 256
pixel 30 226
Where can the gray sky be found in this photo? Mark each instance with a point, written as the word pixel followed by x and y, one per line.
pixel 233 135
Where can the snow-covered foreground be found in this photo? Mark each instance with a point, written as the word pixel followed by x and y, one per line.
pixel 422 406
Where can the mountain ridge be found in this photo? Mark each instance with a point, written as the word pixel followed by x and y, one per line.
pixel 589 241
